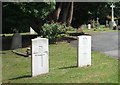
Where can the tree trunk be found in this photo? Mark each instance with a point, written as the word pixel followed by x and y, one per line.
pixel 58 10
pixel 37 25
pixel 70 15
pixel 64 12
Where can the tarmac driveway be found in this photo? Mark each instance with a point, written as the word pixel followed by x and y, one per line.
pixel 106 43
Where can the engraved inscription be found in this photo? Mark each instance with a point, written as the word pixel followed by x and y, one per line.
pixel 39 51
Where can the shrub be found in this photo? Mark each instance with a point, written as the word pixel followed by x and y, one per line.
pixel 70 28
pixel 53 31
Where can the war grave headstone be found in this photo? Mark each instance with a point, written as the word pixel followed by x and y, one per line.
pixel 84 51
pixel 40 56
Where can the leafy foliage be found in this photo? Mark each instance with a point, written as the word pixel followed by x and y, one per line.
pixel 18 15
pixel 53 31
pixel 83 12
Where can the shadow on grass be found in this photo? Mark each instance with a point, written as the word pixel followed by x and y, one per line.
pixel 20 77
pixel 68 67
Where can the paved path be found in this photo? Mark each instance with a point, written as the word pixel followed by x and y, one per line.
pixel 106 42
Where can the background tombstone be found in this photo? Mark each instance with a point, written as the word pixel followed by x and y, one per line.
pixel 97 23
pixel 32 31
pixel 89 26
pixel 107 24
pixel 40 61
pixel 111 25
pixel 16 41
pixel 93 23
pixel 84 51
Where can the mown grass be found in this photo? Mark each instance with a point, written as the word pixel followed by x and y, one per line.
pixel 98 30
pixel 63 61
pixel 102 28
pixel 11 34
pixel 74 30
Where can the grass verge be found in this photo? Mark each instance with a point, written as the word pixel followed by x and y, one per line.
pixel 102 28
pixel 17 69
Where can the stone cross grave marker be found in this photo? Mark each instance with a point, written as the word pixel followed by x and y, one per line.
pixel 84 51
pixel 40 56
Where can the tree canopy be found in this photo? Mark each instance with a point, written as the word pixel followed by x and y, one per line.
pixel 18 15
pixel 83 12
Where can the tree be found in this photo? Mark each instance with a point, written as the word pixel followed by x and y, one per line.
pixel 86 11
pixel 21 16
pixel 63 13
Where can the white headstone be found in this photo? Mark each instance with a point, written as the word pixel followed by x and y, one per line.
pixel 89 26
pixel 40 54
pixel 84 51
pixel 32 31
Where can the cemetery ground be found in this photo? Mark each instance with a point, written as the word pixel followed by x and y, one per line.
pixel 63 61
pixel 63 67
pixel 93 30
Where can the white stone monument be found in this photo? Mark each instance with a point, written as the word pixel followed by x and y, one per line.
pixel 40 56
pixel 32 31
pixel 84 51
pixel 89 26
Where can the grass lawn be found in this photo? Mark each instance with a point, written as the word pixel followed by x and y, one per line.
pixel 85 30
pixel 98 30
pixel 11 34
pixel 63 61
pixel 93 30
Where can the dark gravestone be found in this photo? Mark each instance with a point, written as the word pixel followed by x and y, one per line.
pixel 16 41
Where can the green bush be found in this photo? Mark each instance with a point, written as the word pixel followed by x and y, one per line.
pixel 53 31
pixel 70 28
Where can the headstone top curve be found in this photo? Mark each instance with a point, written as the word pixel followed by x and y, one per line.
pixel 84 36
pixel 39 38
